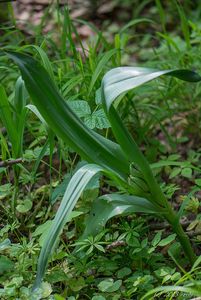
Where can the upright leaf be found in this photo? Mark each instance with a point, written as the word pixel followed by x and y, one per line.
pixel 74 189
pixel 6 115
pixel 118 81
pixel 61 119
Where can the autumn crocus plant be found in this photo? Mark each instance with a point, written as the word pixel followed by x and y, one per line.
pixel 123 161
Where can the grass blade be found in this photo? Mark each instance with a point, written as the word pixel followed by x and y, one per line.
pixel 106 57
pixel 6 117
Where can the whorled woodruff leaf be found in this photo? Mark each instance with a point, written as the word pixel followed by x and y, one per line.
pixel 108 206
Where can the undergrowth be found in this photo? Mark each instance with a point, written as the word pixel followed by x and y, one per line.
pixel 135 256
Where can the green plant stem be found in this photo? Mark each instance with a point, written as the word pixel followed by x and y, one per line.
pixel 15 195
pixel 173 220
pixel 170 214
pixel 134 153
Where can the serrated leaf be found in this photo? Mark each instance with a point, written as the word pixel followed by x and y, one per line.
pixel 97 119
pixel 80 107
pixel 101 119
pixel 98 98
pixel 90 121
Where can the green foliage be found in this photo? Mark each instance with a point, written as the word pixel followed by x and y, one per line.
pixel 137 255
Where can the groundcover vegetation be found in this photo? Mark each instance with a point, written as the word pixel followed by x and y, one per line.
pixel 100 153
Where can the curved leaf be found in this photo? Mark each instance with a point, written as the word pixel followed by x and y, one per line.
pixel 188 290
pixel 62 120
pixel 73 191
pixel 121 80
pixel 108 206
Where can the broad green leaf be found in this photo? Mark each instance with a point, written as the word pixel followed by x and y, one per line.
pixel 108 206
pixel 60 189
pixel 61 119
pixel 73 191
pixel 97 119
pixel 98 297
pixel 109 285
pixel 76 284
pixel 119 81
pixel 24 206
pixel 123 79
pixel 80 107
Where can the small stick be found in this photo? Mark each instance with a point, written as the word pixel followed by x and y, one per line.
pixel 6 163
pixel 115 245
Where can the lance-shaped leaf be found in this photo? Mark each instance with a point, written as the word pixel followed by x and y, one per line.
pixel 121 80
pixel 63 121
pixel 74 189
pixel 108 206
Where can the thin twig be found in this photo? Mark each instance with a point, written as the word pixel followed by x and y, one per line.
pixel 115 245
pixel 6 163
pixel 158 226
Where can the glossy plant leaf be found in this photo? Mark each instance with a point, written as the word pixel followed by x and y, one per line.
pixel 118 81
pixel 108 206
pixel 123 79
pixel 62 120
pixel 73 191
